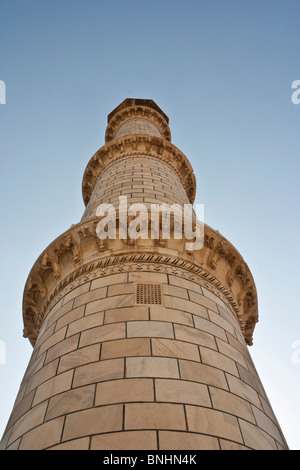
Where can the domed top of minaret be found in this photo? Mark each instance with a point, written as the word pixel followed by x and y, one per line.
pixel 137 102
pixel 137 116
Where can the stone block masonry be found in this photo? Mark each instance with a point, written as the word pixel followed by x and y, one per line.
pixel 140 345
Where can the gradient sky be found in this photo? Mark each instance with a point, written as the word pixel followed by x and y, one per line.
pixel 222 71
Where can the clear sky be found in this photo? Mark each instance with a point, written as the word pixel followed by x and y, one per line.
pixel 222 71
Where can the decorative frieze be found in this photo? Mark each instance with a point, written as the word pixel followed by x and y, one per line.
pixel 79 252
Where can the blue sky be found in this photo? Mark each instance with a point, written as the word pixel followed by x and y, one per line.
pixel 222 71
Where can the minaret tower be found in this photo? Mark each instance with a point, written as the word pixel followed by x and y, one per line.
pixel 140 343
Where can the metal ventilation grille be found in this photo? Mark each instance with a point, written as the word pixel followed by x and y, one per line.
pixel 148 294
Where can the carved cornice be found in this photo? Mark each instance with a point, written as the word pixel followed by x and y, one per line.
pixel 79 251
pixel 130 112
pixel 138 145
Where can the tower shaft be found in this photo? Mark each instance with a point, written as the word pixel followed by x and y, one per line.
pixel 140 343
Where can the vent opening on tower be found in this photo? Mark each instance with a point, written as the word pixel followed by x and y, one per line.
pixel 148 294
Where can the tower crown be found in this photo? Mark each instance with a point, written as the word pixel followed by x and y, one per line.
pixel 137 116
pixel 130 102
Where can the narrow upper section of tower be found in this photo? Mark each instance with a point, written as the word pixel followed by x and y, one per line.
pixel 138 127
pixel 137 116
